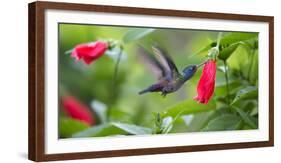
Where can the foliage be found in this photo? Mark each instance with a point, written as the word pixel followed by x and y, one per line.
pixel 113 128
pixel 136 34
pixel 69 126
pixel 110 85
pixel 189 107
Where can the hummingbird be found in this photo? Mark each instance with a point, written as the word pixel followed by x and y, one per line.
pixel 162 65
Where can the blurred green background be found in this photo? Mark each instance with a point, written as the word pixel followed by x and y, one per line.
pixel 119 109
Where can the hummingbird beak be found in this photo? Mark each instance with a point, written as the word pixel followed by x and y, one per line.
pixel 199 65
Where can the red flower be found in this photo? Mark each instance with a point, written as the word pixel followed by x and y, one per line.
pixel 206 85
pixel 76 110
pixel 89 52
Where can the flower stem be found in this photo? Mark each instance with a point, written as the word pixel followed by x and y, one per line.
pixel 115 74
pixel 114 82
pixel 218 40
pixel 226 80
pixel 225 70
pixel 117 66
pixel 215 51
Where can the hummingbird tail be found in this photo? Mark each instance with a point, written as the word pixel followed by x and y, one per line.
pixel 144 91
pixel 152 88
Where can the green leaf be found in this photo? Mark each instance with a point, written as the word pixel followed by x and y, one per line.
pixel 100 109
pixel 235 37
pixel 232 41
pixel 255 111
pixel 114 128
pixel 199 121
pixel 226 52
pixel 240 62
pixel 221 84
pixel 167 125
pixel 117 115
pixel 223 122
pixel 69 126
pixel 206 48
pixel 136 34
pixel 251 44
pixel 132 129
pixel 179 125
pixel 246 118
pixel 250 92
pixel 189 107
pixel 253 71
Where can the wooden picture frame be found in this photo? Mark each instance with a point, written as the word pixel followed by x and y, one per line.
pixel 37 80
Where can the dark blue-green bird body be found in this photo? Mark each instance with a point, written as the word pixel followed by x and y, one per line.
pixel 169 78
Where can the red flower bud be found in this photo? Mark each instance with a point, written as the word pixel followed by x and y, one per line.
pixel 76 110
pixel 89 52
pixel 206 85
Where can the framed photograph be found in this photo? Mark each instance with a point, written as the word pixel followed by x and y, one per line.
pixel 109 81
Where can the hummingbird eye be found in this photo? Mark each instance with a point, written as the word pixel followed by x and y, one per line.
pixel 190 69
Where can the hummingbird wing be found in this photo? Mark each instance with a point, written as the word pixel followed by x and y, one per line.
pixel 157 69
pixel 166 61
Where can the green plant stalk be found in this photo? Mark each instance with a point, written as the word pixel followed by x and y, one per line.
pixel 177 116
pixel 157 123
pixel 214 52
pixel 115 74
pixel 117 67
pixel 218 40
pixel 227 81
pixel 225 69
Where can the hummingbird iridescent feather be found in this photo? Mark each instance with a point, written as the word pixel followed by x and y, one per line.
pixel 169 78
